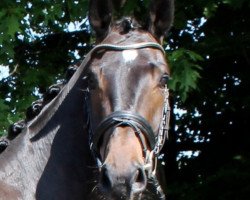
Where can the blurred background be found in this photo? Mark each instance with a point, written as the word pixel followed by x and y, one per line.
pixel 207 155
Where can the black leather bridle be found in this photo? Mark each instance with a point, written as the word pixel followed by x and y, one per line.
pixel 126 118
pixel 140 126
pixel 151 143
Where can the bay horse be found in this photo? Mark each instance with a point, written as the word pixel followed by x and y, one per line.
pixel 99 136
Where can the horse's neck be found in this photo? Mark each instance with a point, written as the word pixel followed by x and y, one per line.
pixel 50 155
pixel 22 164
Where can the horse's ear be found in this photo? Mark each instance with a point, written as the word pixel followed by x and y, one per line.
pixel 161 17
pixel 100 16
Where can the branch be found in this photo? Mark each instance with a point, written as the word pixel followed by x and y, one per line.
pixel 13 72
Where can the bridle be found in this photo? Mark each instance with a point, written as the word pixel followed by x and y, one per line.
pixel 140 125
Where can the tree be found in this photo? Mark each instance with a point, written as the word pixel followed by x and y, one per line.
pixel 216 120
pixel 33 37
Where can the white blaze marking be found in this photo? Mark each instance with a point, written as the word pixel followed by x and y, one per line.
pixel 129 55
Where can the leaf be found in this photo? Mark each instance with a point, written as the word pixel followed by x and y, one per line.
pixel 13 25
pixel 185 71
pixel 210 10
pixel 3 106
pixel 129 6
pixel 4 109
pixel 12 118
pixel 236 4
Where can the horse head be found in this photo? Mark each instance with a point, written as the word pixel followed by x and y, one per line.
pixel 127 84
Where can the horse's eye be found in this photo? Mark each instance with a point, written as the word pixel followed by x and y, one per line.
pixel 164 80
pixel 92 81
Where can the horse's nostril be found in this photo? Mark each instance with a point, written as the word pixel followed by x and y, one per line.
pixel 140 181
pixel 122 183
pixel 105 179
pixel 139 176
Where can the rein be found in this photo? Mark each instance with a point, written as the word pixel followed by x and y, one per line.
pixel 126 118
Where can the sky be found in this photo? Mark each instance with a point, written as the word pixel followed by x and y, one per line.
pixel 4 72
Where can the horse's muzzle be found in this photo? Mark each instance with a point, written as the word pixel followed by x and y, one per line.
pixel 126 184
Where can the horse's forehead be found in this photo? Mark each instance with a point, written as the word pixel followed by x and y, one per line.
pixel 138 59
pixel 133 59
pixel 131 37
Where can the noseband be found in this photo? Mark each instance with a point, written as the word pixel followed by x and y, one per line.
pixel 150 141
pixel 140 126
pixel 123 119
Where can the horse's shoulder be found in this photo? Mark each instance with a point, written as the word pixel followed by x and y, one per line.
pixel 9 192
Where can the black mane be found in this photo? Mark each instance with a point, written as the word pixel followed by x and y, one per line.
pixel 35 108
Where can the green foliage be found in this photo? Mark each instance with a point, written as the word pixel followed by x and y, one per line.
pixel 229 182
pixel 8 117
pixel 184 71
pixel 10 18
pixel 3 122
pixel 137 8
pixel 237 4
pixel 210 9
pixel 25 30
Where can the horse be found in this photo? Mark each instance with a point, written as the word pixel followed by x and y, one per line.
pixel 98 136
